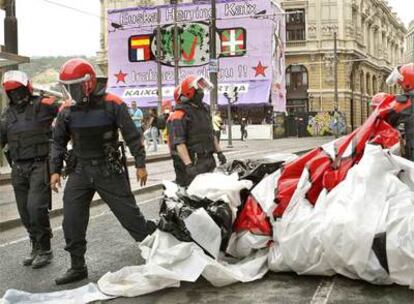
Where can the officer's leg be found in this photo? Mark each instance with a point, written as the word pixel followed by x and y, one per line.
pixel 76 201
pixel 115 191
pixel 77 197
pixel 38 204
pixel 20 184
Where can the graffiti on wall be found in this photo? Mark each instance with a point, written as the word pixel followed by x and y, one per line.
pixel 327 123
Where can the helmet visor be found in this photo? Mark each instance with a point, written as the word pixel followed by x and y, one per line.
pixel 395 77
pixel 74 92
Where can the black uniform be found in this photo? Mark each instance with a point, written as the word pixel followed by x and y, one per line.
pixel 191 124
pixel 93 129
pixel 405 118
pixel 26 129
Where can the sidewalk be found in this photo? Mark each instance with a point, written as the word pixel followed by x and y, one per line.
pixel 159 171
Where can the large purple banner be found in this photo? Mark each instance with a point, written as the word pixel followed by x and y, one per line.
pixel 250 48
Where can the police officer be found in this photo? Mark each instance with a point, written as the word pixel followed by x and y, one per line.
pixel 92 123
pixel 404 112
pixel 26 130
pixel 191 136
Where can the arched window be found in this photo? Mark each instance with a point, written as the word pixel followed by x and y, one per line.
pixel 296 77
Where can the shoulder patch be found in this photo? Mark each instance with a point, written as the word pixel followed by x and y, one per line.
pixel 113 98
pixel 176 115
pixel 48 101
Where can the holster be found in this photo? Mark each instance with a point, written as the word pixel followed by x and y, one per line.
pixel 70 161
pixel 113 159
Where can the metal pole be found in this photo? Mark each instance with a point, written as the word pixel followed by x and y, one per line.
pixel 229 137
pixel 159 67
pixel 213 57
pixel 176 45
pixel 10 28
pixel 336 71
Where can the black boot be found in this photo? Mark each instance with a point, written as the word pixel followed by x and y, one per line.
pixel 77 272
pixel 43 258
pixel 29 259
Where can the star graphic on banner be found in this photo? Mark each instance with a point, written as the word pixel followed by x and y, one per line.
pixel 120 77
pixel 260 69
pixel 203 59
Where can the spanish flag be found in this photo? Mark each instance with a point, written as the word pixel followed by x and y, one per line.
pixel 140 48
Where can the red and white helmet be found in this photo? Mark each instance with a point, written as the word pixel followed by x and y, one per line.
pixel 188 87
pixel 378 99
pixel 15 79
pixel 78 71
pixel 404 76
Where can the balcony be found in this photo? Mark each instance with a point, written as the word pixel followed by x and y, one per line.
pixel 296 43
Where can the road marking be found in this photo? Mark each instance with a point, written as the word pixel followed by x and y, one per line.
pixel 323 292
pixel 91 218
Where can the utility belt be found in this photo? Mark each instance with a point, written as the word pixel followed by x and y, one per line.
pixel 196 156
pixel 31 160
pixel 112 160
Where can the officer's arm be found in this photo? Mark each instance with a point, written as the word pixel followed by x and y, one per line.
pixel 3 133
pixel 183 154
pixel 131 134
pixel 179 130
pixel 61 137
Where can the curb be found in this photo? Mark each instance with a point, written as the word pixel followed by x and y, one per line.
pixel 16 222
pixel 13 223
pixel 5 179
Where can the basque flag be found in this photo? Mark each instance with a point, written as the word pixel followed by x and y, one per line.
pixel 140 48
pixel 233 42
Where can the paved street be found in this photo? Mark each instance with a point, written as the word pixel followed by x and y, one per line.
pixel 110 248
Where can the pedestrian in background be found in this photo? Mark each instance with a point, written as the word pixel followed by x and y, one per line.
pixel 152 133
pixel 217 125
pixel 26 128
pixel 243 125
pixel 136 115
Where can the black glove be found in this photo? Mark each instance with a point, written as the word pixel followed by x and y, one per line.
pixel 222 158
pixel 191 171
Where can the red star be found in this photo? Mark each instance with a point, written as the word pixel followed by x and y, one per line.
pixel 260 69
pixel 120 77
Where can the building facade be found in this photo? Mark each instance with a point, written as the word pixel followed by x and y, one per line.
pixel 409 46
pixel 370 42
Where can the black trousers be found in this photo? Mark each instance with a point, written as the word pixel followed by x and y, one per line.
pixel 33 197
pixel 113 188
pixel 218 135
pixel 204 164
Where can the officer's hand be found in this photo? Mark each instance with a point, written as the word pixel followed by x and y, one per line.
pixel 222 158
pixel 55 182
pixel 191 171
pixel 142 176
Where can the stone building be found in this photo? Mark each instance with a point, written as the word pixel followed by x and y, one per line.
pixel 409 47
pixel 370 42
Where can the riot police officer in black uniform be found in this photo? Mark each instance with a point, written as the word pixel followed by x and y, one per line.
pixel 191 136
pixel 26 130
pixel 93 124
pixel 403 115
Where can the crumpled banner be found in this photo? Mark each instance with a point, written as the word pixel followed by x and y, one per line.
pixel 169 261
pixel 85 294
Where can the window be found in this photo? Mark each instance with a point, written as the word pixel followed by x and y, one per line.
pixel 295 25
pixel 296 77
